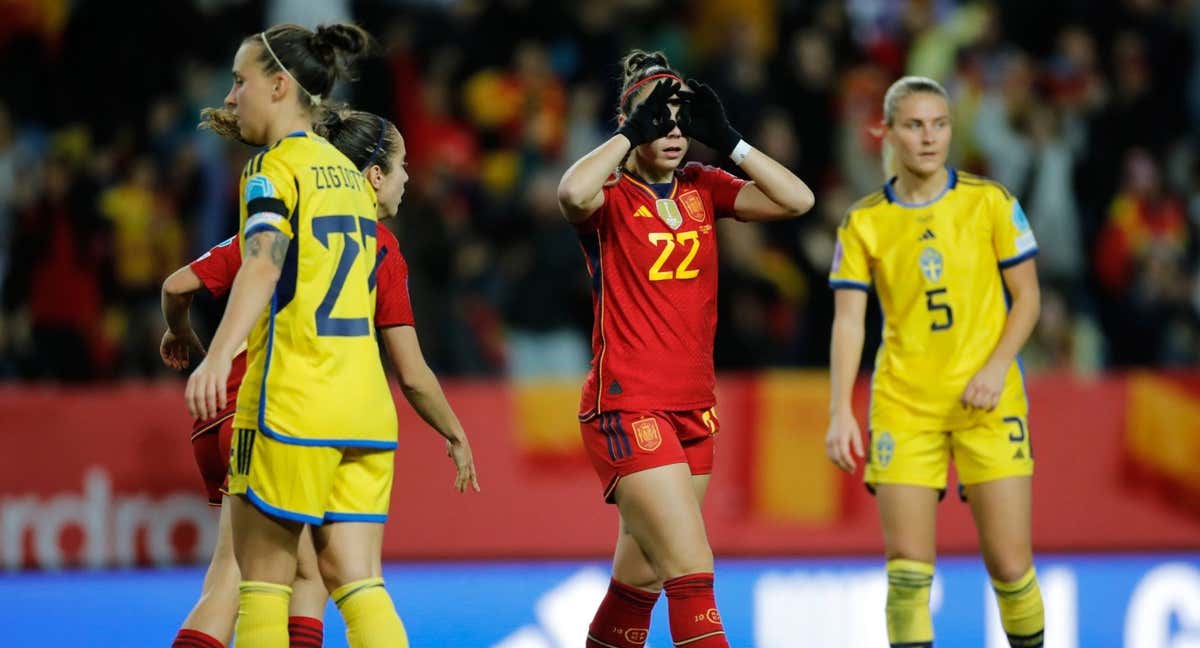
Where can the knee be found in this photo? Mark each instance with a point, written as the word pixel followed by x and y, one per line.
pixel 913 553
pixel 682 555
pixel 636 572
pixel 633 570
pixel 909 584
pixel 649 582
pixel 1009 569
pixel 696 560
pixel 223 574
pixel 220 594
pixel 311 580
pixel 335 573
pixel 332 572
pixel 307 569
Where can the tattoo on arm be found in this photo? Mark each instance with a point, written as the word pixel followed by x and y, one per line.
pixel 279 248
pixel 270 241
pixel 253 246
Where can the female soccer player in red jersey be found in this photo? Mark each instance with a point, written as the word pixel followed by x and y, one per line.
pixel 376 147
pixel 950 257
pixel 647 414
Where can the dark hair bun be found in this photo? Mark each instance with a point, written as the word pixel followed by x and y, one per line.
pixel 638 61
pixel 350 42
pixel 335 115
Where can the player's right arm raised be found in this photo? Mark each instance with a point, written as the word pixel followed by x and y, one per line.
pixel 581 191
pixel 262 264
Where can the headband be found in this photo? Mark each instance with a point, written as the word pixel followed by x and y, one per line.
pixel 378 144
pixel 664 75
pixel 316 99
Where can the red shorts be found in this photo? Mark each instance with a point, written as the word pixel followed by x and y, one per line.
pixel 210 445
pixel 621 443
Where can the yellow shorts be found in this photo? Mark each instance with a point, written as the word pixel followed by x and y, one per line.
pixel 311 484
pixel 992 449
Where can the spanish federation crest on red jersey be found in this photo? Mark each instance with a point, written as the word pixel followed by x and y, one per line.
pixel 654 291
pixel 693 204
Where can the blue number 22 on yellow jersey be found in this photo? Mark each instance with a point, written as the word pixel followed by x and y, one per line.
pixel 347 226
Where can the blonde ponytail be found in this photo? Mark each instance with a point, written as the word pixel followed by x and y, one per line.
pixel 888 158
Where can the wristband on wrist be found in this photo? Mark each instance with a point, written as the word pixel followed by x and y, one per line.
pixel 740 151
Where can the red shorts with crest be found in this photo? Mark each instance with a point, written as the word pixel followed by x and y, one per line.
pixel 210 445
pixel 621 443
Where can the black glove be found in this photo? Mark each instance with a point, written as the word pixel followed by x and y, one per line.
pixel 651 119
pixel 703 117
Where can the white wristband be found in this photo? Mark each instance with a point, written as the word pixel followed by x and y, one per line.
pixel 740 152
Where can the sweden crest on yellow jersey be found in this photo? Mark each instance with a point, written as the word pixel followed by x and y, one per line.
pixel 931 264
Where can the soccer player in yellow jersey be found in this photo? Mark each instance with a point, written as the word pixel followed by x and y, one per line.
pixel 950 257
pixel 315 422
pixel 377 149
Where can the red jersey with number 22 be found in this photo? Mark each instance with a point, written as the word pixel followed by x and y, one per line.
pixel 653 263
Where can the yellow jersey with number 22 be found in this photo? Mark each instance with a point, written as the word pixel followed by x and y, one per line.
pixel 313 374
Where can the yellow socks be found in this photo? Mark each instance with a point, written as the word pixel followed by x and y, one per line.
pixel 262 620
pixel 371 619
pixel 1021 611
pixel 909 622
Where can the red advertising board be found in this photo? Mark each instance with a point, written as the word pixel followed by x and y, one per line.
pixel 103 476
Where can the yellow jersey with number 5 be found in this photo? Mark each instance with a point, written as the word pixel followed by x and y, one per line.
pixel 936 269
pixel 313 374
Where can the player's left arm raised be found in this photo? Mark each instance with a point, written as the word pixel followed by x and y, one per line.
pixel 985 388
pixel 775 192
pixel 262 264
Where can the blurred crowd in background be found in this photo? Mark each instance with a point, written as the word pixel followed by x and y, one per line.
pixel 1087 110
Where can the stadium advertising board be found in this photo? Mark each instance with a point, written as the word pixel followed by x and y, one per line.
pixel 108 477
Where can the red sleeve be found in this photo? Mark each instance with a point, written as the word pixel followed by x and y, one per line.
pixel 722 186
pixel 392 306
pixel 217 267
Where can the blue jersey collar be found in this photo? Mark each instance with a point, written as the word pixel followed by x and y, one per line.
pixel 890 192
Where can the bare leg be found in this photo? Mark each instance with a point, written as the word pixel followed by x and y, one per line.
pixel 216 610
pixel 908 516
pixel 1002 511
pixel 659 510
pixel 630 564
pixel 265 547
pixel 348 554
pixel 308 590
